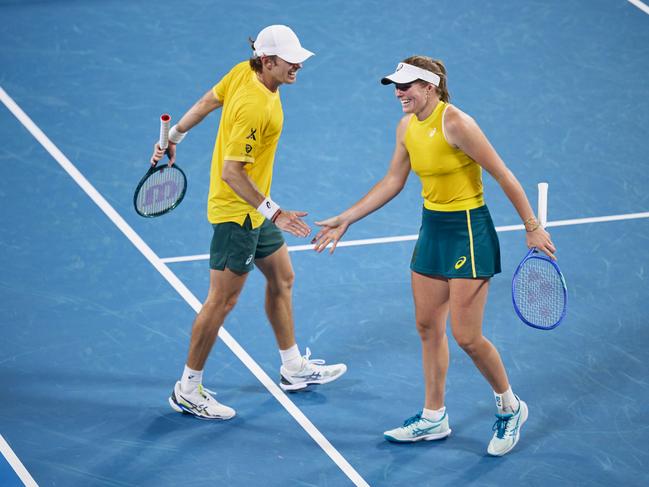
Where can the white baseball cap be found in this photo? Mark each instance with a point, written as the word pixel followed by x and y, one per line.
pixel 407 73
pixel 280 40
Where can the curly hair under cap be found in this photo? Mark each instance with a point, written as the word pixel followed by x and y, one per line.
pixel 434 66
pixel 254 61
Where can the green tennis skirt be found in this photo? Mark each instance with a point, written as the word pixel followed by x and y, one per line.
pixel 457 244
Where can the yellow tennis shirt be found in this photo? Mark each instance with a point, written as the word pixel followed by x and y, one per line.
pixel 251 123
pixel 450 179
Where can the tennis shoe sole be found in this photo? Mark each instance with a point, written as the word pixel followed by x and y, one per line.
pixel 431 437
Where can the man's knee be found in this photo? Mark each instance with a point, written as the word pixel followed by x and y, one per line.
pixel 220 304
pixel 282 284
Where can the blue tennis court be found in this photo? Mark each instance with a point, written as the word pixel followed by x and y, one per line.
pixel 97 302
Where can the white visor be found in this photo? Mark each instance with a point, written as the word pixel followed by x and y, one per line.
pixel 407 73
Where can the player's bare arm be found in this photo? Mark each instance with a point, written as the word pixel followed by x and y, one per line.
pixel 203 107
pixel 463 132
pixel 234 174
pixel 387 188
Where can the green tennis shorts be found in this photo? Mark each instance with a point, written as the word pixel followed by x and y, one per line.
pixel 457 244
pixel 237 246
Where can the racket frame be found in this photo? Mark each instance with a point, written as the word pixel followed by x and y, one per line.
pixel 163 143
pixel 152 170
pixel 535 254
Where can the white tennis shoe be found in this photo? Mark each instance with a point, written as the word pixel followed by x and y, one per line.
pixel 312 372
pixel 507 431
pixel 199 403
pixel 418 428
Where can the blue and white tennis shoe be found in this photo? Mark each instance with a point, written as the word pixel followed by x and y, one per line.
pixel 507 431
pixel 418 428
pixel 312 372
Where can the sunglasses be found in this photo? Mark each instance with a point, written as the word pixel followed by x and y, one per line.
pixel 404 86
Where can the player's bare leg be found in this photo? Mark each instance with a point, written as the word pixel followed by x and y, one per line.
pixel 225 288
pixel 189 395
pixel 468 298
pixel 297 372
pixel 278 270
pixel 431 296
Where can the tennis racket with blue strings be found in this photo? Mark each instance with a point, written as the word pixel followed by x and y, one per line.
pixel 163 187
pixel 539 291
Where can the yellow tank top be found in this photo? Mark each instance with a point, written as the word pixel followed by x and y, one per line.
pixel 249 130
pixel 450 179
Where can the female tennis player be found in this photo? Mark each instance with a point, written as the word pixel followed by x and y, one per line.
pixel 457 251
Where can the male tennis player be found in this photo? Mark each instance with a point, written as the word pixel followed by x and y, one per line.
pixel 246 221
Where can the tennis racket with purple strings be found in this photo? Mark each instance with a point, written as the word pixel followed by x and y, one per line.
pixel 162 188
pixel 539 291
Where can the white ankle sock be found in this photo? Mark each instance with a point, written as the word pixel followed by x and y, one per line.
pixel 291 358
pixel 433 414
pixel 190 380
pixel 506 402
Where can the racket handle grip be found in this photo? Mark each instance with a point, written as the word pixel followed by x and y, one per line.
pixel 165 121
pixel 543 204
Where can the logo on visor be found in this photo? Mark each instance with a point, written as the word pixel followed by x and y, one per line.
pixel 400 67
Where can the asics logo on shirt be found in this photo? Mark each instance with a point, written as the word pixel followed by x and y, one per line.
pixel 460 262
pixel 432 133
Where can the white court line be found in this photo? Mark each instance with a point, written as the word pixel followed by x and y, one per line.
pixel 178 285
pixel 404 238
pixel 640 5
pixel 15 463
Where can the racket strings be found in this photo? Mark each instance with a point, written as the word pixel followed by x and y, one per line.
pixel 161 191
pixel 539 293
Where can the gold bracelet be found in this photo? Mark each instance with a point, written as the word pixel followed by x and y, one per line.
pixel 530 230
pixel 532 220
